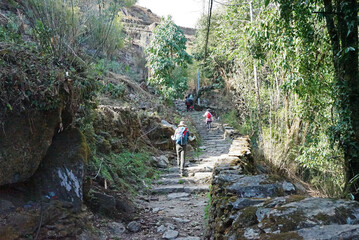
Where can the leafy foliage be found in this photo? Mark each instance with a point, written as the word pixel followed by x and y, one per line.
pixel 166 57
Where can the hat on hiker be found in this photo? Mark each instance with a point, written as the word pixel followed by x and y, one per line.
pixel 181 124
pixel 208 109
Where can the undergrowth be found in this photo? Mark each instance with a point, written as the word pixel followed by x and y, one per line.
pixel 33 79
pixel 232 119
pixel 125 171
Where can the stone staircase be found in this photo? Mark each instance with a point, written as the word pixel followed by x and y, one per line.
pixel 200 169
pixel 180 201
pixel 177 204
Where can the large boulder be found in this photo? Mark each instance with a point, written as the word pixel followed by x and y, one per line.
pixel 61 173
pixel 117 128
pixel 112 204
pixel 24 141
pixel 159 132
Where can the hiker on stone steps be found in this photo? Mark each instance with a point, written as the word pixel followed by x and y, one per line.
pixel 208 116
pixel 181 136
pixel 189 102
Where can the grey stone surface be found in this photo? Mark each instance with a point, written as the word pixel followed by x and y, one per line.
pixel 178 195
pixel 161 229
pixel 331 232
pixel 116 228
pixel 259 191
pixel 170 234
pixel 156 210
pixel 181 220
pixel 257 186
pixel 170 226
pixel 241 203
pixel 160 162
pixel 288 187
pixel 251 233
pixel 134 226
pixel 188 238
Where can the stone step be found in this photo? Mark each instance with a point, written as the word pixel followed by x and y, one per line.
pixel 170 170
pixel 170 175
pixel 219 143
pixel 215 136
pixel 196 169
pixel 216 147
pixel 214 143
pixel 180 188
pixel 174 181
pixel 219 138
pixel 202 175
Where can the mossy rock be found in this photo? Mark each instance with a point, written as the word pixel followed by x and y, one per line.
pixel 247 218
pixel 285 223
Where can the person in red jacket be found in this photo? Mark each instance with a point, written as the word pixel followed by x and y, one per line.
pixel 208 116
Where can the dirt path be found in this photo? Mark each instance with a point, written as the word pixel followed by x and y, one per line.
pixel 176 207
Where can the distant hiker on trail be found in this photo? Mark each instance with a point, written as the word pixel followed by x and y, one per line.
pixel 208 116
pixel 181 136
pixel 189 102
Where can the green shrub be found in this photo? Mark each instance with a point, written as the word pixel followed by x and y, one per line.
pixel 114 90
pixel 232 119
pixel 126 170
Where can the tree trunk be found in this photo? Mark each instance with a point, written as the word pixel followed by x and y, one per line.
pixel 287 124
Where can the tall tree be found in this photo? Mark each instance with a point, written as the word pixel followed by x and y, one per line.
pixel 165 54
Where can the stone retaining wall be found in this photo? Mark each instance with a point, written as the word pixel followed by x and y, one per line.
pixel 248 205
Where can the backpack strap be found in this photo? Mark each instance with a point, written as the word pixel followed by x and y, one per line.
pixel 183 135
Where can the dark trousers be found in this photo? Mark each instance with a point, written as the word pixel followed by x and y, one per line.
pixel 181 153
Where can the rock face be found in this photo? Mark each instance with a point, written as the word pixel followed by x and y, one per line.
pixel 140 22
pixel 117 128
pixel 120 128
pixel 24 142
pixel 247 206
pixel 61 173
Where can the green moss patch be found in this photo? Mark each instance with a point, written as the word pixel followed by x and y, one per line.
pixel 247 218
pixel 284 223
pixel 294 198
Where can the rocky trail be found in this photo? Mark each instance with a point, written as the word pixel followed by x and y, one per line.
pixel 176 207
